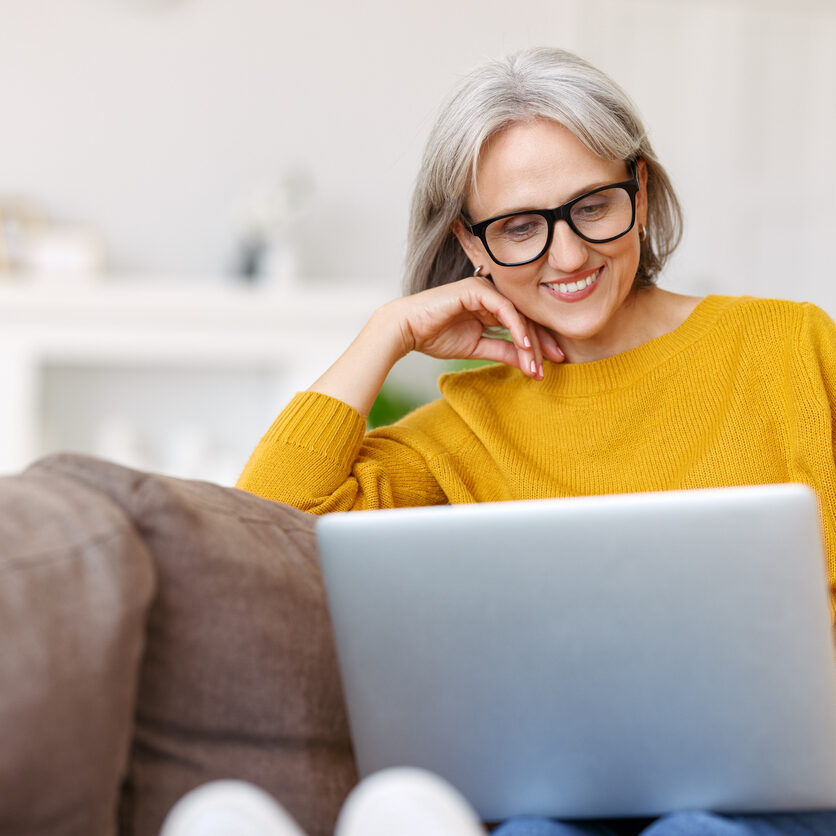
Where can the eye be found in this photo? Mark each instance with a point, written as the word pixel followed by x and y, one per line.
pixel 589 210
pixel 597 207
pixel 519 227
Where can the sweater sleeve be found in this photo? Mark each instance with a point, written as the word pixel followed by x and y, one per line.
pixel 816 352
pixel 817 349
pixel 316 457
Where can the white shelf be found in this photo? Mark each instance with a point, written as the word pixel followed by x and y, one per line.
pixel 161 367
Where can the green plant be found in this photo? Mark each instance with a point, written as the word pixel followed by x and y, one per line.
pixel 391 405
pixel 395 401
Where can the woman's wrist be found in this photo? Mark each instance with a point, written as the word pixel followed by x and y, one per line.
pixel 389 329
pixel 358 375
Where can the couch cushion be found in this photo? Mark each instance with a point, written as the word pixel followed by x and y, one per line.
pixel 239 679
pixel 75 585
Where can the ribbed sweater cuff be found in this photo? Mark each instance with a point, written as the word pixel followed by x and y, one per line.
pixel 321 424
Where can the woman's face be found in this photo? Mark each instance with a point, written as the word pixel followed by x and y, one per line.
pixel 541 165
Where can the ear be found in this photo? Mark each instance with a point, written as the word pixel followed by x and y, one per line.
pixel 472 246
pixel 641 195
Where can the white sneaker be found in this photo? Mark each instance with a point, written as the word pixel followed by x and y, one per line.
pixel 407 802
pixel 224 808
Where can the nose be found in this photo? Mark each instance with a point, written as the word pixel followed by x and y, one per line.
pixel 567 251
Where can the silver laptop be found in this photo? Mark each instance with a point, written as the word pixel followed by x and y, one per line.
pixel 610 656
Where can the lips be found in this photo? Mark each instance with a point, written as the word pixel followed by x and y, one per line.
pixel 579 288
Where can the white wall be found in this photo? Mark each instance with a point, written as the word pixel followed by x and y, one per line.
pixel 153 120
pixel 740 99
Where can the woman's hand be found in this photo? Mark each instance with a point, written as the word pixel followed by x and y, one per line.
pixel 450 322
pixel 447 322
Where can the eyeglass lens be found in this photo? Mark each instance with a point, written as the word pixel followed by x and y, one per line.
pixel 599 216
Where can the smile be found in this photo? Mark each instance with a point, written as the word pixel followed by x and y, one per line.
pixel 577 289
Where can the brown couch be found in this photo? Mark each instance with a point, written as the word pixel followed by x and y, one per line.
pixel 155 634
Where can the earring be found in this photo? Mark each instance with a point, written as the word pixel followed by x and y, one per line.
pixel 642 232
pixel 478 271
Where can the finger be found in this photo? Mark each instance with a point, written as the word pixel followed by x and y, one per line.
pixel 527 358
pixel 549 345
pixel 481 297
pixel 529 355
pixel 501 351
pixel 534 335
pixel 490 306
pixel 504 351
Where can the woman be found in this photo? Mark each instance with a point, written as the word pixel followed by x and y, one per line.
pixel 542 210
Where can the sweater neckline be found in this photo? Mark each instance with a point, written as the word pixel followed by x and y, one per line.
pixel 624 368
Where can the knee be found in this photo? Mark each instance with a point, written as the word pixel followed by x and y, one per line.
pixel 530 826
pixel 693 823
pixel 525 826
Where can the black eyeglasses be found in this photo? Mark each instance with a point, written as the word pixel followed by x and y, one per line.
pixel 601 215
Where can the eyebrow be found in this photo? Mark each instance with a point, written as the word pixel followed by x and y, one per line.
pixel 579 193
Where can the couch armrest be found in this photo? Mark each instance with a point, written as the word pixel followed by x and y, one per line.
pixel 239 679
pixel 76 581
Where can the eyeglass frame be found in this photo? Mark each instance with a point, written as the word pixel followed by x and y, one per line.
pixel 561 213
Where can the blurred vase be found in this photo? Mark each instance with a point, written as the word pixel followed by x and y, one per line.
pixel 63 253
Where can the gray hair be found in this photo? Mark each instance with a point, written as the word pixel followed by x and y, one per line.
pixel 540 83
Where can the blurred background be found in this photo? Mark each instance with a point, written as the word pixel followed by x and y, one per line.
pixel 201 201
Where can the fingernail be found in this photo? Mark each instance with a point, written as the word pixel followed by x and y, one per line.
pixel 533 367
pixel 542 374
pixel 526 341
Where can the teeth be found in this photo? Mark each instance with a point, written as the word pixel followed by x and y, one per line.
pixel 574 287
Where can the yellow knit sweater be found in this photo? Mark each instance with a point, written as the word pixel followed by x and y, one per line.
pixel 743 392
